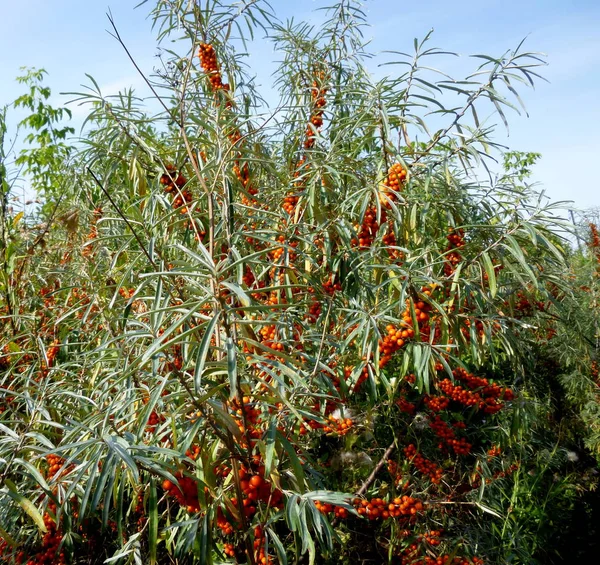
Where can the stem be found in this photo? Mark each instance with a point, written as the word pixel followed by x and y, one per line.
pixel 376 469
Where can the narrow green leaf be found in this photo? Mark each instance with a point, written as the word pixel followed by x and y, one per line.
pixel 203 351
pixel 232 367
pixel 279 548
pixel 7 538
pixel 26 505
pixel 491 273
pixel 152 522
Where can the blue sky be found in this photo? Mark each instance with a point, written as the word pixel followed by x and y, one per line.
pixel 68 38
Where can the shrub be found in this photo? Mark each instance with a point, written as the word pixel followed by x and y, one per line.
pixel 262 336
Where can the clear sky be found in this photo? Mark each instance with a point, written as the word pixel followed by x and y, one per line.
pixel 68 38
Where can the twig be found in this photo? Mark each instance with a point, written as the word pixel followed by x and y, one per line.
pixel 119 211
pixel 376 470
pixel 117 36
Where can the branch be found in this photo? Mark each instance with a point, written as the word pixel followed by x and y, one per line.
pixel 120 212
pixel 376 470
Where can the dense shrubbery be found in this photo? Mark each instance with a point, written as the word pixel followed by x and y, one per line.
pixel 231 336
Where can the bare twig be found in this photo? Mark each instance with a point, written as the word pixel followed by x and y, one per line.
pixel 124 217
pixel 117 36
pixel 376 469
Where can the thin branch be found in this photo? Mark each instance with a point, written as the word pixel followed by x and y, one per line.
pixel 117 36
pixel 376 469
pixel 120 212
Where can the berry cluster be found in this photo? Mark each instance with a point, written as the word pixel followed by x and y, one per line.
pixel 229 549
pixel 392 184
pixel 337 426
pixel 393 341
pixel 174 183
pixel 330 287
pixel 289 203
pixel 456 240
pixel 223 523
pixel 259 548
pixel 210 65
pixel 55 464
pixel 255 489
pixel 47 363
pixel 268 336
pixel 525 305
pixel 185 491
pixel 500 474
pixel 291 200
pixel 367 231
pixel 397 336
pixel 279 251
pixel 326 508
pixel 432 537
pixel 423 465
pixel 80 297
pixel 364 376
pixel 153 421
pixel 208 61
pixel 377 508
pixel 411 556
pixel 317 94
pixel 447 435
pixel 88 249
pixel 248 419
pixel 436 403
pixel 389 240
pixel 243 174
pixel 250 281
pixel 406 406
pixel 395 472
pixel 318 100
pixel 594 241
pixel 314 311
pixel 490 396
pixel 459 394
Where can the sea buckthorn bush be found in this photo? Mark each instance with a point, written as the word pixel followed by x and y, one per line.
pixel 236 334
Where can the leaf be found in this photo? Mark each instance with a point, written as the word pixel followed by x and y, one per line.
pixel 294 461
pixel 26 505
pixel 160 344
pixel 270 446
pixel 487 510
pixel 292 512
pixel 330 497
pixel 7 538
pixel 491 273
pixel 515 250
pixel 34 473
pixel 152 522
pixel 225 418
pixel 115 444
pixel 279 548
pixel 239 292
pixel 203 351
pixel 18 217
pixel 232 367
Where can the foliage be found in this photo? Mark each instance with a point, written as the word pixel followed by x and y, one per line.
pixel 50 149
pixel 520 163
pixel 300 336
